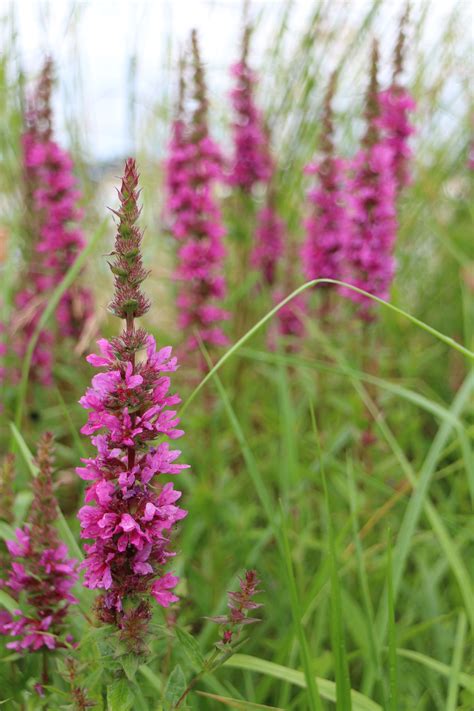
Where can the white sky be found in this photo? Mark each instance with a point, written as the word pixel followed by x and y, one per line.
pixel 92 42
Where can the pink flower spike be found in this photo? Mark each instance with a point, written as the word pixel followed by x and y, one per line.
pixel 127 511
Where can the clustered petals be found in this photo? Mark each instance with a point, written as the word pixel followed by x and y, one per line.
pixel 269 242
pixel 53 215
pixel 396 103
pixel 328 226
pixel 126 514
pixel 252 162
pixel 193 167
pixel 39 573
pixel 129 512
pixel 369 255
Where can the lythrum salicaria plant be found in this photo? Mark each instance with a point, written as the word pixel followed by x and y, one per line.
pixel 396 103
pixel 328 225
pixel 53 237
pixel 129 513
pixel 251 162
pixel 193 167
pixel 241 605
pixel 39 573
pixel 269 240
pixel 369 252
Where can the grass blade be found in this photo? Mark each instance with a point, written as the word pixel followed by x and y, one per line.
pixel 327 688
pixel 362 575
pixel 343 696
pixel 311 683
pixel 236 703
pixel 464 680
pixel 315 282
pixel 393 697
pixel 453 688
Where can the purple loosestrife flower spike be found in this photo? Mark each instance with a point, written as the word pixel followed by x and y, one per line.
pixel 51 217
pixel 328 226
pixel 369 255
pixel 251 162
pixel 240 604
pixel 270 237
pixel 396 103
pixel 129 512
pixel 40 576
pixel 290 318
pixel 193 166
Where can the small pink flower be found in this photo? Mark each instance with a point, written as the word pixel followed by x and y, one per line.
pixel 161 590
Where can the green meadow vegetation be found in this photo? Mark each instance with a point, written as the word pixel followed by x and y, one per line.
pixel 338 465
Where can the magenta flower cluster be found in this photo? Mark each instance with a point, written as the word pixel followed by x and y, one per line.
pixel 39 574
pixel 269 242
pixel 396 103
pixel 290 318
pixel 57 241
pixel 129 514
pixel 252 162
pixel 193 167
pixel 125 514
pixel 329 225
pixel 56 574
pixel 369 252
pixel 200 256
pixel 190 165
pixel 351 231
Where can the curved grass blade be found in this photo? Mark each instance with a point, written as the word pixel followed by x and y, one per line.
pixel 327 689
pixel 315 282
pixel 465 680
pixel 401 391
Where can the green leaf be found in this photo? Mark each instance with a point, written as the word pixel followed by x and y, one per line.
pixel 7 533
pixel 191 647
pixel 151 677
pixel 8 602
pixel 130 664
pixel 22 503
pixel 24 450
pixel 327 689
pixel 119 696
pixel 175 688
